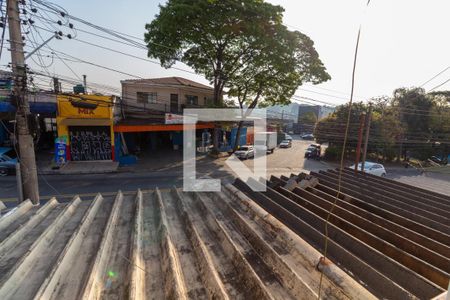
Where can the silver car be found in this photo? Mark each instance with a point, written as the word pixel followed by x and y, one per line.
pixel 245 152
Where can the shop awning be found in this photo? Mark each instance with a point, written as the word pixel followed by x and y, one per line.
pixel 157 127
pixel 35 107
pixel 85 122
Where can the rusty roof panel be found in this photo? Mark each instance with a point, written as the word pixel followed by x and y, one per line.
pixel 393 238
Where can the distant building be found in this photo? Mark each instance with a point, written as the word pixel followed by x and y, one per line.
pixel 285 112
pixel 320 111
pixel 294 111
pixel 325 111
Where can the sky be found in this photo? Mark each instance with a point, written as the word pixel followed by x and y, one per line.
pixel 403 44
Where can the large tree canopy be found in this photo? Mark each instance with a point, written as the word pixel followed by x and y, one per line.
pixel 240 45
pixel 410 120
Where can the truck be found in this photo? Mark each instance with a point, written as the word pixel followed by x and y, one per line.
pixel 270 143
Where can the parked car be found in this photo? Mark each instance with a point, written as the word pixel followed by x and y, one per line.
pixel 287 137
pixel 245 152
pixel 371 168
pixel 313 151
pixel 286 144
pixel 8 160
pixel 308 136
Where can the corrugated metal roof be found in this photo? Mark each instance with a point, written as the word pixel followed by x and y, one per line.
pixel 160 244
pixel 391 237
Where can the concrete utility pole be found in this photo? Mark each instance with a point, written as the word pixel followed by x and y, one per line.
pixel 26 146
pixel 85 84
pixel 366 141
pixel 360 134
pixel 56 86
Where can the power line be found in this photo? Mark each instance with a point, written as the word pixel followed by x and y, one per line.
pixel 323 94
pixel 331 90
pixel 438 86
pixel 314 100
pixel 441 72
pixel 126 54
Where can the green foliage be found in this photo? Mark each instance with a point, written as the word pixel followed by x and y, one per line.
pixel 239 45
pixel 333 153
pixel 410 122
pixel 332 128
pixel 308 118
pixel 414 108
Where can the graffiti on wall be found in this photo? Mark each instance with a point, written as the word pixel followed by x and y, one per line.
pixel 90 143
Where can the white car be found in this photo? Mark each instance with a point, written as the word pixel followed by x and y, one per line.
pixel 286 144
pixel 245 152
pixel 371 168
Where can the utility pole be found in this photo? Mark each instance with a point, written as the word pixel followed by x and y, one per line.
pixel 85 84
pixel 360 135
pixel 56 86
pixel 366 141
pixel 26 146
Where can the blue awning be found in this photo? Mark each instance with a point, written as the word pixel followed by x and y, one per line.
pixel 43 108
pixel 35 107
pixel 6 107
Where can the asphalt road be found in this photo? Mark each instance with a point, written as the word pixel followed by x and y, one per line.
pixel 282 161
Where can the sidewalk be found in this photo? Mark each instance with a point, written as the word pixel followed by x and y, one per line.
pixel 46 167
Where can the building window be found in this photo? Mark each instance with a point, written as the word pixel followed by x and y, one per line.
pixel 147 97
pixel 191 100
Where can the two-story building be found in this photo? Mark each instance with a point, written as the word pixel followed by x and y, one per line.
pixel 151 112
pixel 168 95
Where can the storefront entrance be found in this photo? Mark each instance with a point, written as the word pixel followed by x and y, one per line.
pixel 90 143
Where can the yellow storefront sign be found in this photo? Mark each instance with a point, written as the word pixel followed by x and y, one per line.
pixel 83 120
pixel 85 107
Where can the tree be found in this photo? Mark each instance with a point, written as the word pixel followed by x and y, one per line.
pixel 210 36
pixel 308 118
pixel 332 128
pixel 440 123
pixel 239 45
pixel 410 121
pixel 385 128
pixel 414 108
